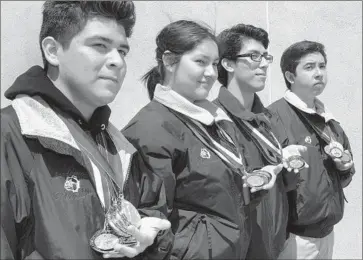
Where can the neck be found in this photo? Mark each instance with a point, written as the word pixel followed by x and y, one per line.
pixel 308 99
pixel 244 97
pixel 85 109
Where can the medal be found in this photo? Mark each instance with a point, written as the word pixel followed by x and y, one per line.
pixel 295 162
pixel 335 151
pixel 258 178
pixel 119 216
pixel 103 241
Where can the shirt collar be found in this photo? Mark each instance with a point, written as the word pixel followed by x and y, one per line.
pixel 321 110
pixel 203 111
pixel 234 106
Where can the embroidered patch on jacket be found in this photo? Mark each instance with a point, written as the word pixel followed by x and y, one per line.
pixel 72 184
pixel 204 153
pixel 308 139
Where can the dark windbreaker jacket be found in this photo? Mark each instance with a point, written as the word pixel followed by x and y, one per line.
pixel 318 202
pixel 203 194
pixel 269 231
pixel 49 204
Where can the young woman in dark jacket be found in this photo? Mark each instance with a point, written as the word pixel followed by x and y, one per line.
pixel 192 145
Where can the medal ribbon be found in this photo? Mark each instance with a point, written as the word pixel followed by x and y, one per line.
pixel 265 146
pixel 328 138
pixel 228 157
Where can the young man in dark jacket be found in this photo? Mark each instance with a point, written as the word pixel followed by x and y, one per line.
pixel 318 202
pixel 62 162
pixel 242 73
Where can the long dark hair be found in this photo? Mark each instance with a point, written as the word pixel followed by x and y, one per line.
pixel 177 37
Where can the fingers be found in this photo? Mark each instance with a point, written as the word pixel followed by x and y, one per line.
pixel 270 184
pixel 246 193
pixel 302 148
pixel 125 251
pixel 162 224
pixel 141 237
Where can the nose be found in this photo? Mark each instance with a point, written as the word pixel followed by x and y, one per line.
pixel 115 60
pixel 318 73
pixel 264 63
pixel 211 71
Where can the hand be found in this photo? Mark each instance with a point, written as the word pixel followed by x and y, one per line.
pixel 273 170
pixel 341 166
pixel 290 151
pixel 145 235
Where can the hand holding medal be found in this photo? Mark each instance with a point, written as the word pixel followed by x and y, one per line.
pixel 262 179
pixel 148 229
pixel 119 217
pixel 292 158
pixel 342 158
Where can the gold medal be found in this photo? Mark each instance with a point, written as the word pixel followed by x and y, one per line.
pixel 119 216
pixel 103 241
pixel 335 151
pixel 258 178
pixel 295 162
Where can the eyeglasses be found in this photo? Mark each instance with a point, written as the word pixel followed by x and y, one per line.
pixel 257 56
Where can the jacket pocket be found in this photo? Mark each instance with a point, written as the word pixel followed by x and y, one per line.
pixel 315 189
pixel 208 237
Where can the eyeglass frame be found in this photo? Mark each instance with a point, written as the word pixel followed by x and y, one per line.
pixel 259 54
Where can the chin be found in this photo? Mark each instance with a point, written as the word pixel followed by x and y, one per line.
pixel 257 88
pixel 106 99
pixel 202 95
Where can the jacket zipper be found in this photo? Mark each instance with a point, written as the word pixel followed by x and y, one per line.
pixel 127 174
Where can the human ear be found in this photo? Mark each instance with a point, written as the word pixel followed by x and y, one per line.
pixel 50 49
pixel 290 77
pixel 227 65
pixel 169 59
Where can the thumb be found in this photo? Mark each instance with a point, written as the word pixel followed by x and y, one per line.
pixel 161 224
pixel 301 148
pixel 278 168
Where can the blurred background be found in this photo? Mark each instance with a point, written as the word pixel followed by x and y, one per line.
pixel 336 24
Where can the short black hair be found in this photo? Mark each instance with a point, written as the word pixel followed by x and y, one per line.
pixel 64 19
pixel 292 55
pixel 230 43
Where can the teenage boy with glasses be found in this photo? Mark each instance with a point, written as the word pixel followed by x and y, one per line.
pixel 244 61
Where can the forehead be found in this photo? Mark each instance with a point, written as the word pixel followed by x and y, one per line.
pixel 206 48
pixel 251 45
pixel 314 57
pixel 101 27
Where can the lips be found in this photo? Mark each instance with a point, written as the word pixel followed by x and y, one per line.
pixel 319 83
pixel 114 79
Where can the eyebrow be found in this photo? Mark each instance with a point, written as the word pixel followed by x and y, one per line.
pixel 109 41
pixel 207 57
pixel 255 51
pixel 313 63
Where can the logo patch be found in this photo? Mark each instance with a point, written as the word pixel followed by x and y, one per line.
pixel 72 184
pixel 204 153
pixel 308 139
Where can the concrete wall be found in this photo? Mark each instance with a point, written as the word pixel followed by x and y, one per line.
pixel 338 25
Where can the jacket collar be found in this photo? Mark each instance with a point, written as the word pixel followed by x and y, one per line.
pixel 232 104
pixel 202 111
pixel 321 110
pixel 38 119
pixel 35 82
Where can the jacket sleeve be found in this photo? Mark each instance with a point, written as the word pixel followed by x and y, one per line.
pixel 156 149
pixel 15 199
pixel 290 179
pixel 151 202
